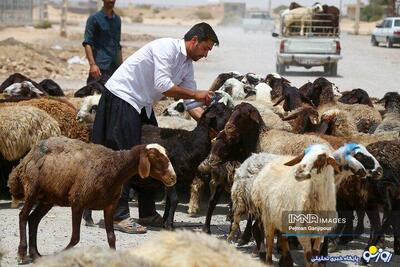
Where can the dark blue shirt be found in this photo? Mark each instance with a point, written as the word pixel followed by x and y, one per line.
pixel 103 34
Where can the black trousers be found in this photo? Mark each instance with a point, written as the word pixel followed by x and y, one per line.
pixel 118 126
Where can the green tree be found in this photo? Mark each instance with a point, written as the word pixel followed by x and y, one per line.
pixel 371 12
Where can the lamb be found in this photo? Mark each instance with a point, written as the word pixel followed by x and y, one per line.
pixel 302 14
pixel 18 78
pixel 242 185
pixel 235 88
pixel 63 112
pixel 88 109
pixel 191 249
pixel 391 119
pixel 281 186
pixel 222 77
pixel 188 149
pixel 366 118
pixel 23 89
pixel 277 83
pixel 356 96
pixel 20 129
pixel 52 174
pixel 246 133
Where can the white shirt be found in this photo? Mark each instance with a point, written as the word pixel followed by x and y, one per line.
pixel 150 71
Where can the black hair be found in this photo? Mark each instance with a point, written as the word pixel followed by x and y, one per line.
pixel 203 31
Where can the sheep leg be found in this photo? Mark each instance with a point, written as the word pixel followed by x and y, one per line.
pixel 76 226
pixel 270 233
pixel 195 192
pixel 245 238
pixel 373 215
pixel 33 222
pixel 211 206
pixel 109 224
pixel 235 223
pixel 258 234
pixel 360 223
pixel 23 219
pixel 286 259
pixel 307 249
pixel 172 203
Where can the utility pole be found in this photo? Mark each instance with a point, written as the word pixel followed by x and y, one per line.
pixel 357 22
pixel 270 8
pixel 63 25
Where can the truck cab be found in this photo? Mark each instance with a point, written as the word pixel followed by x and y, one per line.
pixel 319 45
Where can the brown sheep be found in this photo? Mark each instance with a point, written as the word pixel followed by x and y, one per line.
pixel 52 174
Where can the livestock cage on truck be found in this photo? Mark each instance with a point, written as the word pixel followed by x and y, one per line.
pixel 308 41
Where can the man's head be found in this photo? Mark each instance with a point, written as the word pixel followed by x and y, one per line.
pixel 109 4
pixel 200 39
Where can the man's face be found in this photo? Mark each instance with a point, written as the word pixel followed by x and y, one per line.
pixel 198 50
pixel 109 3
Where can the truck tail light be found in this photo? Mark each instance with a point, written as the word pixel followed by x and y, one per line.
pixel 282 46
pixel 397 33
pixel 338 48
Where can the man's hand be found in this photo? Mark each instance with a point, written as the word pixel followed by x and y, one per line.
pixel 94 71
pixel 204 96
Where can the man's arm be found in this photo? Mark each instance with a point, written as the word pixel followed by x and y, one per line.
pixel 199 95
pixel 94 70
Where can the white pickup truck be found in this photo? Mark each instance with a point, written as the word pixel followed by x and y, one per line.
pixel 318 46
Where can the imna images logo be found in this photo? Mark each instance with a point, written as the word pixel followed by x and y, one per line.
pixel 378 254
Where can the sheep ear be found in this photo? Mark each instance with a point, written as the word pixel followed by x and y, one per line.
pixel 331 161
pixel 295 160
pixel 291 117
pixel 144 164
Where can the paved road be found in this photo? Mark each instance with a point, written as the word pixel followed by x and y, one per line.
pixel 375 69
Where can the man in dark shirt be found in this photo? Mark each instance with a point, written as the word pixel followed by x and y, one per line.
pixel 102 43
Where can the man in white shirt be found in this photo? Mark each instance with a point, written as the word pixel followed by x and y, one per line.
pixel 163 67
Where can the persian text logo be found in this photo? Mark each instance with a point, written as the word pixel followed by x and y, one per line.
pixel 377 254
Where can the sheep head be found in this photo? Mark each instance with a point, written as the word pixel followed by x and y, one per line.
pixel 154 162
pixel 306 119
pixel 315 157
pixel 175 109
pixel 357 158
pixel 215 117
pixel 391 100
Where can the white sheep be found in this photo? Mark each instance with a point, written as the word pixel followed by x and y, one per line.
pixel 263 92
pixel 302 14
pixel 185 248
pixel 24 88
pixel 87 111
pixel 176 123
pixel 306 184
pixel 234 87
pixel 242 185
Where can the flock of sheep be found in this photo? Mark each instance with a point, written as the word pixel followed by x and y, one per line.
pixel 273 147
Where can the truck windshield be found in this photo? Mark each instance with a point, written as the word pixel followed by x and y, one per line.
pixel 397 23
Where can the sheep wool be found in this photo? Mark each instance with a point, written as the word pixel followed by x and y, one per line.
pixel 22 127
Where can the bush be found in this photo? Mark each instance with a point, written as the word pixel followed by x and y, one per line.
pixel 143 6
pixel 156 11
pixel 137 19
pixel 371 13
pixel 203 14
pixel 43 25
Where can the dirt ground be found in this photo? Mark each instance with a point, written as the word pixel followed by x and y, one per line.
pixel 42 54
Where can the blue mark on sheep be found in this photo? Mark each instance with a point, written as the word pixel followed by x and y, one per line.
pixel 349 148
pixel 311 147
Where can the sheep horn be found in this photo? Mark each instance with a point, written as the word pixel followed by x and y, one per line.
pixel 279 101
pixel 323 127
pixel 291 116
pixel 295 160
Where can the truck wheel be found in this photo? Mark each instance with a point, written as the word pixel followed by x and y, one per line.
pixel 333 68
pixel 280 68
pixel 389 42
pixel 374 42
